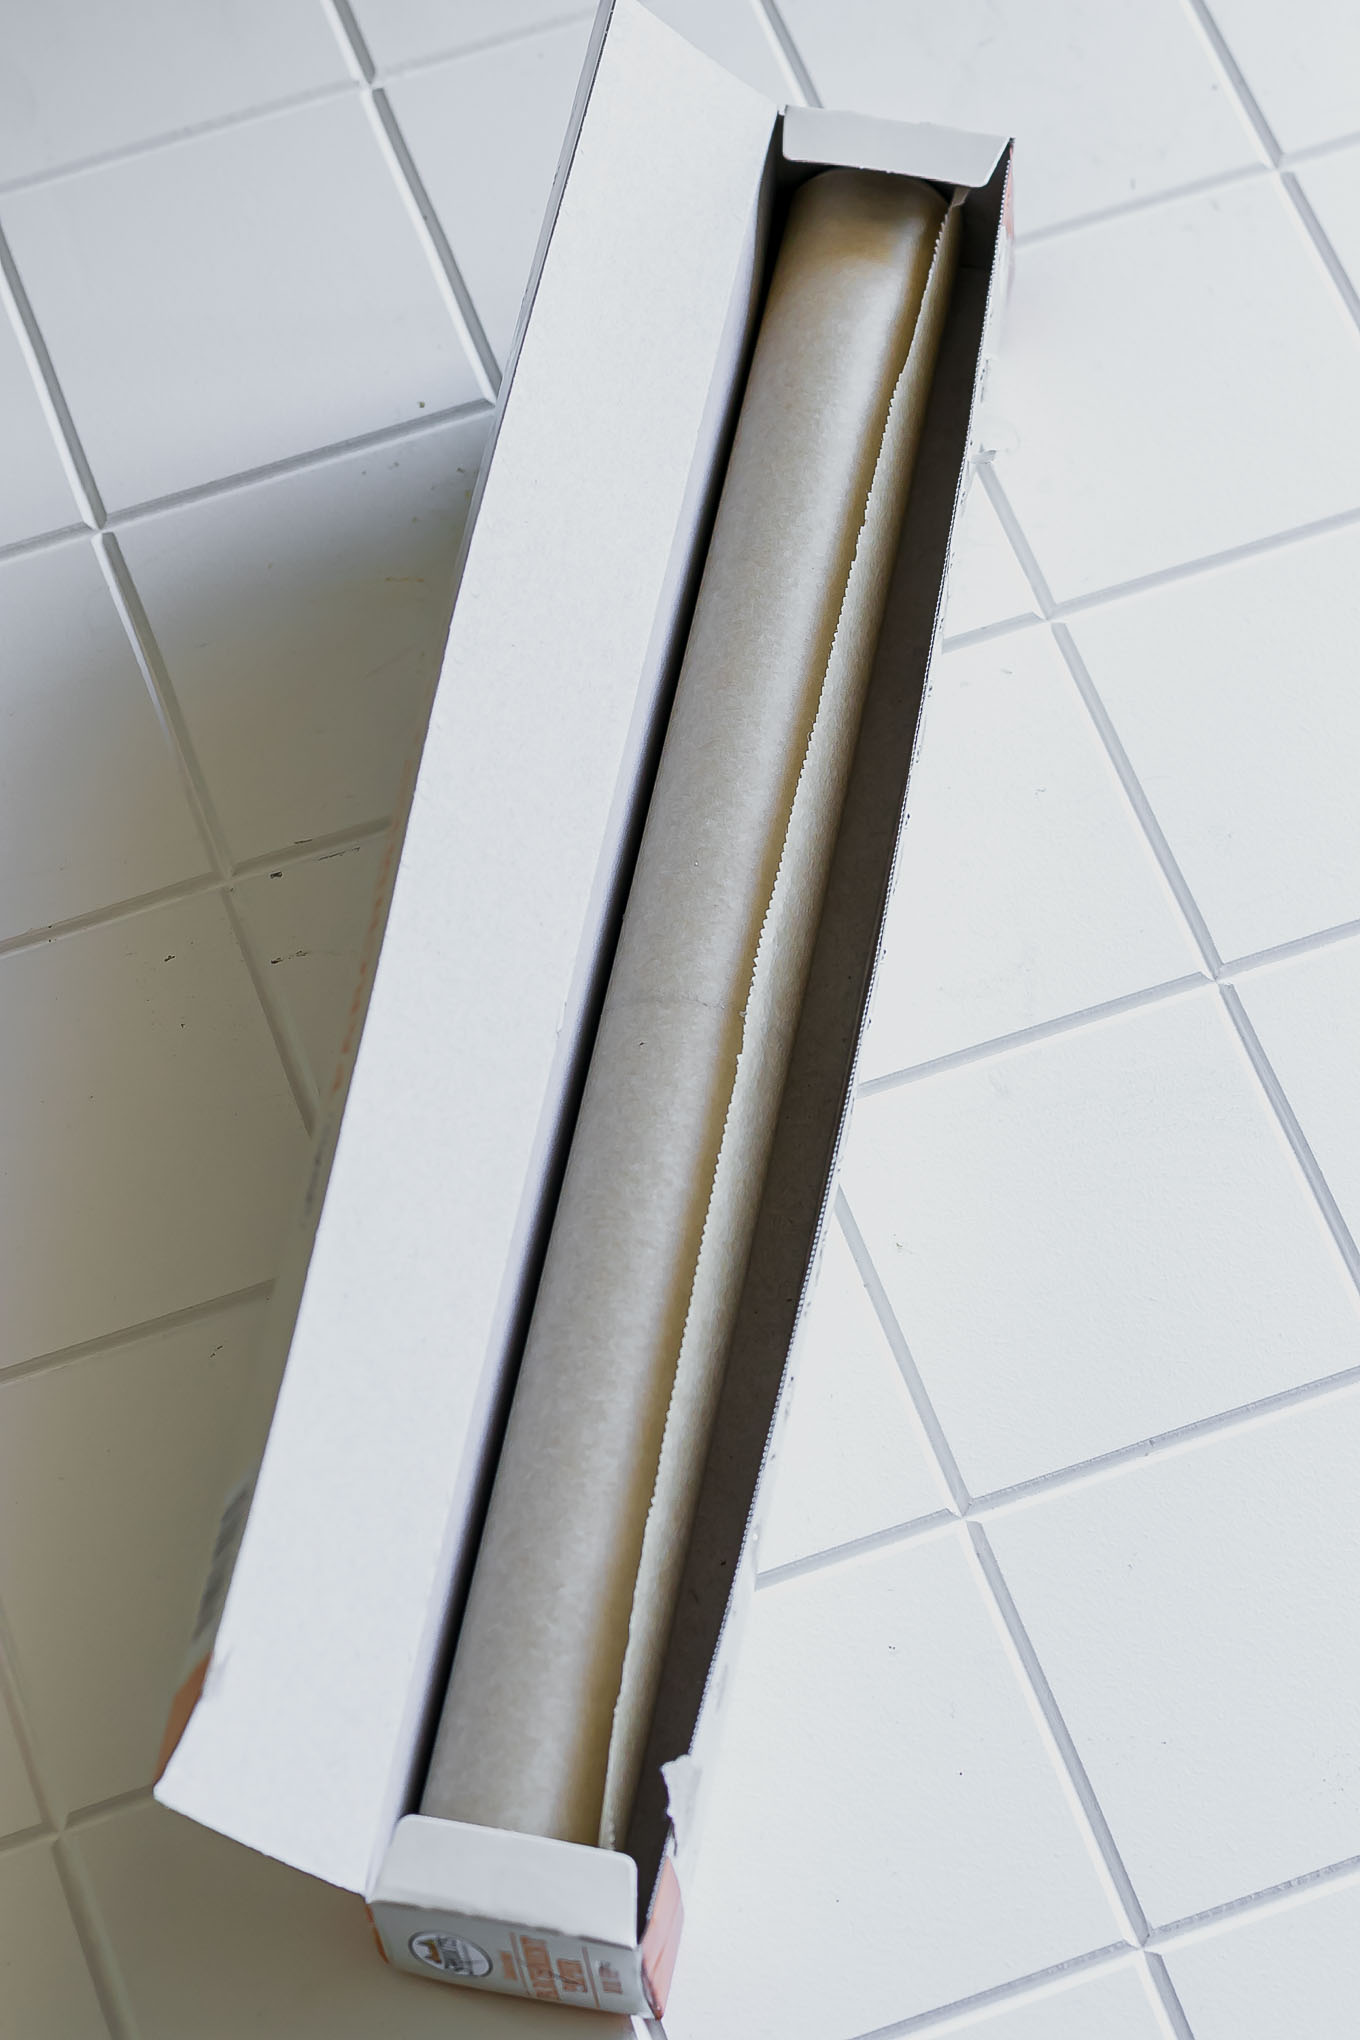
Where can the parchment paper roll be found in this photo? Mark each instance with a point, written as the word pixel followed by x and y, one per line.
pixel 573 1588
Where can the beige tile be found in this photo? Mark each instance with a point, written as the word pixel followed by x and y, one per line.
pixel 112 1474
pixel 91 806
pixel 302 621
pixel 308 922
pixel 45 1988
pixel 151 1146
pixel 215 1943
pixel 18 1807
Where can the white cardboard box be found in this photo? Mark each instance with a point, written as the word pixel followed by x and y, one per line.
pixel 303 1725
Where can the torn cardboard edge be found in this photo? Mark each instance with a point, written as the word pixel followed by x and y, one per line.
pixel 311 1718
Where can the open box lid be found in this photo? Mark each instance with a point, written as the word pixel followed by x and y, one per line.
pixel 607 444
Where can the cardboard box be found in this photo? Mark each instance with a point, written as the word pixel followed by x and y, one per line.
pixel 322 1646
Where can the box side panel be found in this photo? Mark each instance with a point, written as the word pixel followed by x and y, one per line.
pixel 302 1739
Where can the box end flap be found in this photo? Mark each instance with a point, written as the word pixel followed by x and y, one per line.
pixel 816 134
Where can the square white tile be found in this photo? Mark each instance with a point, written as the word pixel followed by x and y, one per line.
pixel 876 1699
pixel 218 274
pixel 136 1443
pixel 1306 1011
pixel 78 81
pixel 307 923
pixel 414 31
pixel 1174 383
pixel 486 132
pixel 92 808
pixel 733 33
pixel 1332 186
pixel 1192 1613
pixel 1096 1238
pixel 18 1807
pixel 1106 107
pixel 987 584
pixel 1278 1974
pixel 1300 65
pixel 45 1986
pixel 1117 2003
pixel 979 941
pixel 302 621
pixel 850 1457
pixel 1231 693
pixel 214 1942
pixel 35 495
pixel 147 1124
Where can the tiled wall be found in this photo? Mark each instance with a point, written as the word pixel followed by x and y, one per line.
pixel 1046 1728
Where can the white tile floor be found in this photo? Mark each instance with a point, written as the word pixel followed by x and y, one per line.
pixel 1046 1726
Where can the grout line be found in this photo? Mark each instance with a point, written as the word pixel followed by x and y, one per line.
pixel 169 138
pixel 1042 1030
pixel 105 1809
pixel 247 478
pixel 1317 234
pixel 279 1020
pixel 788 52
pixel 142 638
pixel 960 2012
pixel 42 541
pixel 1273 1898
pixel 1080 1791
pixel 527 33
pixel 1232 70
pixel 916 1388
pixel 96 1943
pixel 1160 1978
pixel 919 1528
pixel 247 116
pixel 26 1838
pixel 315 849
pixel 1301 945
pixel 1312 151
pixel 1244 173
pixel 1208 563
pixel 128 1335
pixel 1265 134
pixel 311 849
pixel 1064 1023
pixel 1019 544
pixel 105 1978
pixel 1285 1117
pixel 1063 1750
pixel 137 625
pixel 1078 1473
pixel 1293 1132
pixel 1029 620
pixel 1171 872
pixel 104 917
pixel 296 463
pixel 60 423
pixel 401 164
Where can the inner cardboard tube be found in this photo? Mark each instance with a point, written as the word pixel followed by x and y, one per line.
pixel 555 1670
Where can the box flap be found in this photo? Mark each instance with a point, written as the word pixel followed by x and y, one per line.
pixel 816 134
pixel 562 644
